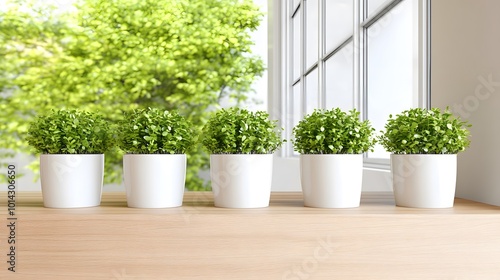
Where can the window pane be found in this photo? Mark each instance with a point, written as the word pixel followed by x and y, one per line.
pixel 339 22
pixel 374 5
pixel 311 31
pixel 390 68
pixel 296 21
pixel 339 80
pixel 312 91
pixel 297 105
pixel 297 110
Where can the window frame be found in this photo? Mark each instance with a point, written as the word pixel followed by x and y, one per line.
pixel 282 52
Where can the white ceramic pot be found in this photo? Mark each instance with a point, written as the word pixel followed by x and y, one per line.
pixel 424 181
pixel 154 180
pixel 241 181
pixel 331 180
pixel 71 181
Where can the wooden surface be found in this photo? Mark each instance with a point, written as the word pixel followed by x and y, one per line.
pixel 284 241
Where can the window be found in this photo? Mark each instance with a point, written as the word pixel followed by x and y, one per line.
pixel 371 55
pixel 365 54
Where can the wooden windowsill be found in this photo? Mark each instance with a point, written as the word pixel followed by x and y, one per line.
pixel 284 241
pixel 281 202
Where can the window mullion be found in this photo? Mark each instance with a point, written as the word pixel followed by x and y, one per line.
pixel 358 59
pixel 289 72
pixel 321 50
pixel 423 15
pixel 367 21
pixel 303 57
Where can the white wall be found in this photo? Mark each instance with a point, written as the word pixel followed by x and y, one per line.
pixel 465 75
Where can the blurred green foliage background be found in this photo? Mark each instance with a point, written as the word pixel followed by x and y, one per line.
pixel 109 56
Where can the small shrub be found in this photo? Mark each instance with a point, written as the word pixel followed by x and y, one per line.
pixel 239 131
pixel 70 132
pixel 423 131
pixel 153 131
pixel 333 132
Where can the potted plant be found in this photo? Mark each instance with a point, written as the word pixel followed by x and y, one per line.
pixel 331 144
pixel 241 144
pixel 72 145
pixel 424 144
pixel 154 167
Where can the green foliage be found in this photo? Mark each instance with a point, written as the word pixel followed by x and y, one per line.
pixel 239 131
pixel 152 131
pixel 333 132
pixel 111 56
pixel 422 131
pixel 70 132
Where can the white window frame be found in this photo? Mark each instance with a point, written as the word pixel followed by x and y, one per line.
pixel 377 176
pixel 421 83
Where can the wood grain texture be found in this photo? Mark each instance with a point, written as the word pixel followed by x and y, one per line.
pixel 284 241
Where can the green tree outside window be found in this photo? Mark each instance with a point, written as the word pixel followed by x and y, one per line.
pixel 111 56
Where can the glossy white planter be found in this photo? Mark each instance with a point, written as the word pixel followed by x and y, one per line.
pixel 241 181
pixel 154 181
pixel 71 181
pixel 424 181
pixel 331 181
